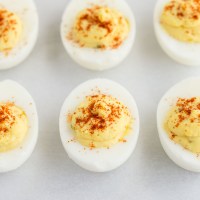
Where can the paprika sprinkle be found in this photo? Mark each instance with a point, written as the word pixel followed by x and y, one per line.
pixel 183 123
pixel 100 121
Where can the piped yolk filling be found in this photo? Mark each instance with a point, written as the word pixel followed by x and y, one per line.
pixel 183 123
pixel 100 27
pixel 13 126
pixel 181 20
pixel 10 30
pixel 101 121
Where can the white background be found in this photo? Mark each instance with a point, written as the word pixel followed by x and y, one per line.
pixel 49 75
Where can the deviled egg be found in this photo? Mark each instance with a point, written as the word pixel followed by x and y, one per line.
pixel 18 31
pixel 18 125
pixel 99 125
pixel 178 122
pixel 98 34
pixel 177 25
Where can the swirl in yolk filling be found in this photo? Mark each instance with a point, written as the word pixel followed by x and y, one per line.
pixel 181 20
pixel 100 121
pixel 13 126
pixel 183 123
pixel 100 27
pixel 10 30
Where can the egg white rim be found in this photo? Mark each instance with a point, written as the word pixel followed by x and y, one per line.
pixel 179 155
pixel 24 48
pixel 75 150
pixel 104 59
pixel 172 47
pixel 13 159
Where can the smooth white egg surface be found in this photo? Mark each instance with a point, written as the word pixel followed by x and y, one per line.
pixel 26 11
pixel 182 52
pixel 98 159
pixel 96 59
pixel 10 91
pixel 185 89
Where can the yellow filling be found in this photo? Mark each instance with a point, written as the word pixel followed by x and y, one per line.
pixel 181 19
pixel 10 30
pixel 100 27
pixel 13 126
pixel 100 121
pixel 183 123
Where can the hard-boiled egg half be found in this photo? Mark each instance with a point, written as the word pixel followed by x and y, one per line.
pixel 99 125
pixel 177 24
pixel 98 34
pixel 18 125
pixel 178 121
pixel 18 31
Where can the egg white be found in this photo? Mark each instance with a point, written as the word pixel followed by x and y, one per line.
pixel 185 89
pixel 96 59
pixel 13 92
pixel 99 159
pixel 27 12
pixel 182 52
